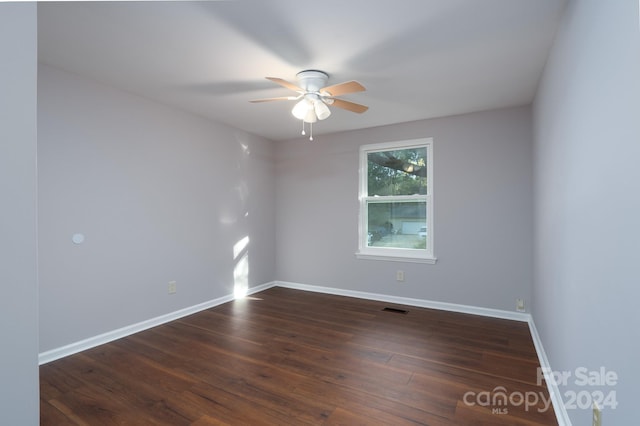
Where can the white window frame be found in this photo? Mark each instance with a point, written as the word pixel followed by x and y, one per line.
pixel 389 253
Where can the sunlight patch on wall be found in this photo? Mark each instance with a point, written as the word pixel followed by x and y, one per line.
pixel 241 268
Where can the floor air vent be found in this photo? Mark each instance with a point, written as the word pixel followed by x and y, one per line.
pixel 396 311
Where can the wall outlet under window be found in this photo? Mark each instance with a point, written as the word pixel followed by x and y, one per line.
pixel 520 305
pixel 172 287
pixel 399 275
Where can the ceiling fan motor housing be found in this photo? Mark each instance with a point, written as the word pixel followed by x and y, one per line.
pixel 312 80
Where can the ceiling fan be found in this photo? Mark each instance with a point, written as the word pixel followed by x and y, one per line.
pixel 314 96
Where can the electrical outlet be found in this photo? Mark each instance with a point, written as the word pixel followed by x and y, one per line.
pixel 597 415
pixel 520 305
pixel 172 287
pixel 399 275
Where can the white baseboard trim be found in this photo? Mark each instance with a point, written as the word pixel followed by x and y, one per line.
pixel 554 392
pixel 73 348
pixel 422 303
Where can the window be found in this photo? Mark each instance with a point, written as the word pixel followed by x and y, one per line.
pixel 396 201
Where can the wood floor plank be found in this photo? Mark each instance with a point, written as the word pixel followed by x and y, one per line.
pixel 48 410
pixel 347 397
pixel 364 416
pixel 285 356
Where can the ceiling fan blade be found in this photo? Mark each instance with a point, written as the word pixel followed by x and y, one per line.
pixel 343 88
pixel 281 98
pixel 349 106
pixel 285 83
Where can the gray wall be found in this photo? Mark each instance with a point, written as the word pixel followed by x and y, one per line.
pixel 160 195
pixel 483 211
pixel 587 174
pixel 19 402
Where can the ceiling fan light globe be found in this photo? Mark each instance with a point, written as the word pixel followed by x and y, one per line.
pixel 310 117
pixel 321 109
pixel 300 109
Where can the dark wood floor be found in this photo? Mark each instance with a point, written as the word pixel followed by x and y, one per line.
pixel 292 357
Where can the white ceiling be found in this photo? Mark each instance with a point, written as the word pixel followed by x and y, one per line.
pixel 417 58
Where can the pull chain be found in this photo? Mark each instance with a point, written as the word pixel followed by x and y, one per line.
pixel 310 130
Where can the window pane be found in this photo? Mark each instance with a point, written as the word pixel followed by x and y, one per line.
pixel 399 224
pixel 398 172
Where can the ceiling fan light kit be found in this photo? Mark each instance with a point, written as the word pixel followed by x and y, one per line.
pixel 311 110
pixel 314 96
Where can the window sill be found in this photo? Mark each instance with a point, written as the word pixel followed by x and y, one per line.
pixel 366 256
